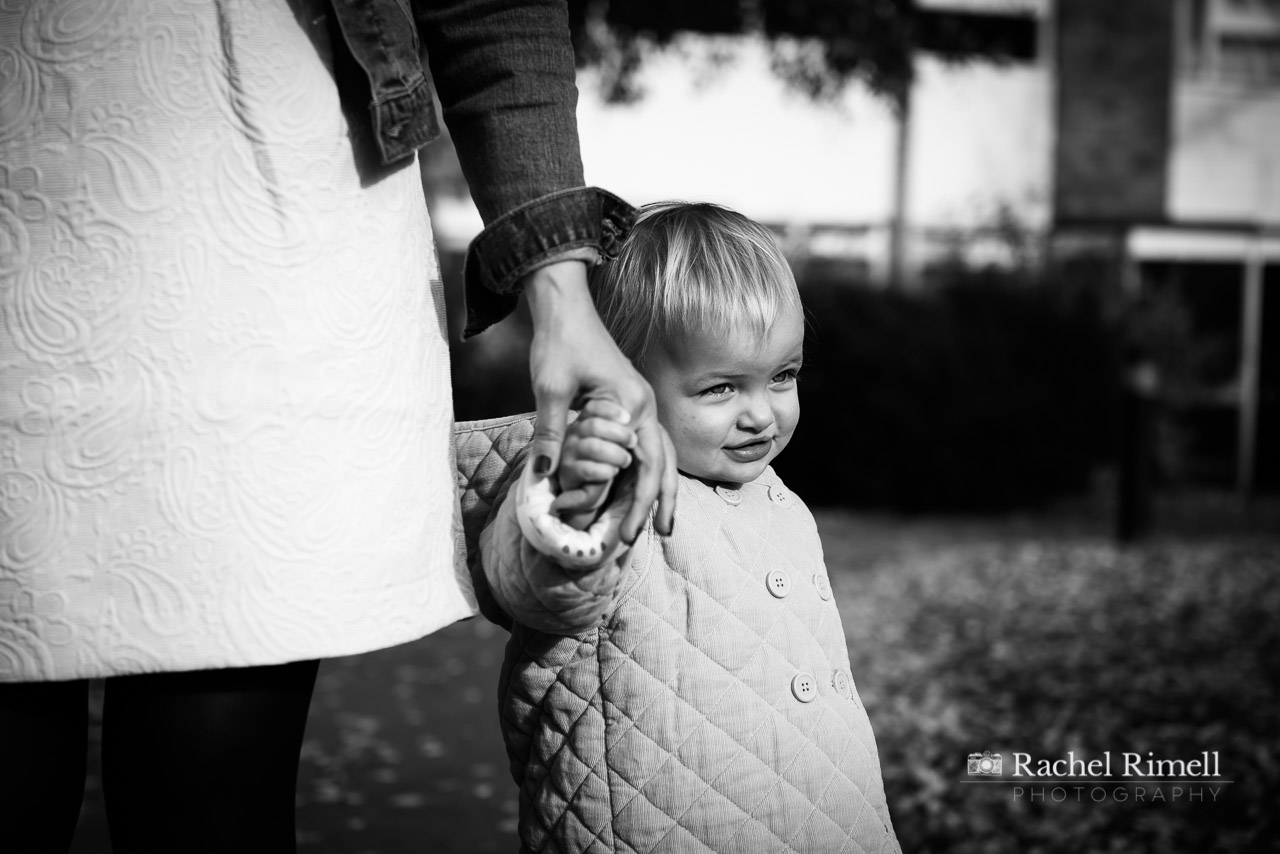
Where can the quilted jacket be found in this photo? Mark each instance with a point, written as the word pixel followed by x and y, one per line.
pixel 694 696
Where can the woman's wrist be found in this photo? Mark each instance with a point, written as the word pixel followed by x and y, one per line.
pixel 584 223
pixel 560 300
pixel 557 292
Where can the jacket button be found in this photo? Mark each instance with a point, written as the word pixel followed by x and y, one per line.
pixel 730 496
pixel 840 681
pixel 779 583
pixel 824 586
pixel 804 687
pixel 780 496
pixel 395 130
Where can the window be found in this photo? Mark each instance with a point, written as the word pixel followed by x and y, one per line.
pixel 1233 40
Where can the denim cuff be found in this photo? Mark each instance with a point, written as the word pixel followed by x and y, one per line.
pixel 532 235
pixel 405 122
pixel 380 38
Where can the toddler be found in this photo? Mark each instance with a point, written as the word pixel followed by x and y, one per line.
pixel 688 693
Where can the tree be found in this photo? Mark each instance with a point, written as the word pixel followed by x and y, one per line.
pixel 817 46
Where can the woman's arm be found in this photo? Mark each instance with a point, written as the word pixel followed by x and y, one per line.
pixel 505 75
pixel 573 358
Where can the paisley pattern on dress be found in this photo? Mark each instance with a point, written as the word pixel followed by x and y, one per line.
pixel 224 378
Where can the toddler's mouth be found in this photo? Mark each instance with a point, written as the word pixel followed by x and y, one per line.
pixel 750 452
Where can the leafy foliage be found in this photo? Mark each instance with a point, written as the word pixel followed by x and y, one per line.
pixel 988 393
pixel 817 46
pixel 871 41
pixel 1046 647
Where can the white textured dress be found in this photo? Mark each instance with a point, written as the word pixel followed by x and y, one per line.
pixel 224 384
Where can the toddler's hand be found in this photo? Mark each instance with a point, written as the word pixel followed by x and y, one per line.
pixel 597 447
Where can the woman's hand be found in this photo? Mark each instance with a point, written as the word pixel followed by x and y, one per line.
pixel 573 360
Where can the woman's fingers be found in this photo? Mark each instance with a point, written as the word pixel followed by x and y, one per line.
pixel 572 355
pixel 657 479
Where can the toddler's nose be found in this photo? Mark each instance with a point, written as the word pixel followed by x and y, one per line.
pixel 756 416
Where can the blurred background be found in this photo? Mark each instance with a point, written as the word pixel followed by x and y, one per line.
pixel 1039 246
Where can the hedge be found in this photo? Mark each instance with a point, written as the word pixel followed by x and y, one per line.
pixel 986 394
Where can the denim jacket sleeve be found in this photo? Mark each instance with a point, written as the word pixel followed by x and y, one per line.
pixel 504 72
pixel 583 223
pixel 505 75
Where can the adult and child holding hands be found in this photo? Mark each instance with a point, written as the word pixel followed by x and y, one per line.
pixel 228 447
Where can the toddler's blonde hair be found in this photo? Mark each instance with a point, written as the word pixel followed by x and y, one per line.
pixel 689 269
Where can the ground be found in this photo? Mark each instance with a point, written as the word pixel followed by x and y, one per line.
pixel 1031 633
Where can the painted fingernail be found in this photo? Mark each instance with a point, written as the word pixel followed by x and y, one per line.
pixel 541 464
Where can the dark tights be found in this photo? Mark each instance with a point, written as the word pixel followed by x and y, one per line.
pixel 205 761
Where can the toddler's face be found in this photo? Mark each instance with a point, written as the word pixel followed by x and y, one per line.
pixel 729 401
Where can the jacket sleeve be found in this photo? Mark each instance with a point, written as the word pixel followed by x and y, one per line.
pixel 504 72
pixel 505 75
pixel 535 590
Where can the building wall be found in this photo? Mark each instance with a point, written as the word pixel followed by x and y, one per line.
pixel 1225 164
pixel 981 142
pixel 1115 62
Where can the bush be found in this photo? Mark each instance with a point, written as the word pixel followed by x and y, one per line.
pixel 985 394
pixel 490 372
pixel 1044 646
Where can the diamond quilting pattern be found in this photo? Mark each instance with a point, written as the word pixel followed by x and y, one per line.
pixel 673 727
pixel 485 457
pixel 485 453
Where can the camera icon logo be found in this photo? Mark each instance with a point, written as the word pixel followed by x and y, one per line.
pixel 986 764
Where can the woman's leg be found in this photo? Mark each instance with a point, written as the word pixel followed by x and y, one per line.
pixel 205 761
pixel 43 742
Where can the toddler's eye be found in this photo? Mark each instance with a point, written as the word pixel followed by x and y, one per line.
pixel 715 390
pixel 787 376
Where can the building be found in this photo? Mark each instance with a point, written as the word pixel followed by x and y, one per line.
pixel 1137 139
pixel 1167 167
